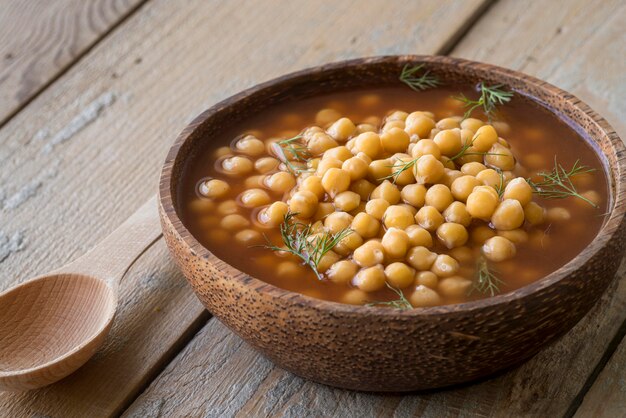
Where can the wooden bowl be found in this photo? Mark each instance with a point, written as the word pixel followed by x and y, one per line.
pixel 376 349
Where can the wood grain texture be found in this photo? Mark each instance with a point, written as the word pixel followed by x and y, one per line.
pixel 39 40
pixel 83 155
pixel 546 385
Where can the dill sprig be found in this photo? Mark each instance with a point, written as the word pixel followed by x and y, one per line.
pixel 557 184
pixel 293 149
pixel 300 241
pixel 405 165
pixel 401 303
pixel 490 97
pixel 418 82
pixel 486 281
pixel 500 187
pixel 465 150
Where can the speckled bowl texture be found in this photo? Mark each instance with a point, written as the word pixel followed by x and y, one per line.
pixel 376 349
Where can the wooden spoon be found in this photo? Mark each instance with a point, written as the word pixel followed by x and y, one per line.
pixel 51 325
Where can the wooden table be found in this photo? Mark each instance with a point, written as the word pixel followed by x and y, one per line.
pixel 92 94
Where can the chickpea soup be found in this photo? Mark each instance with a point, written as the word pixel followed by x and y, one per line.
pixel 397 197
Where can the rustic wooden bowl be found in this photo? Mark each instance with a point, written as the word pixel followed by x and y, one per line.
pixel 375 349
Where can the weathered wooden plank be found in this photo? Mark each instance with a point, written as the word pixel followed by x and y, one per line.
pixel 39 40
pixel 87 151
pixel 246 385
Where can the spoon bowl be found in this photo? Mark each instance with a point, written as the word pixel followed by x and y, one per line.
pixel 53 324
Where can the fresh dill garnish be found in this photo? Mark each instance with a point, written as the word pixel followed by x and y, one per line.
pixel 401 303
pixel 293 149
pixel 557 184
pixel 486 280
pixel 490 97
pixel 301 241
pixel 500 187
pixel 418 82
pixel 465 150
pixel 405 165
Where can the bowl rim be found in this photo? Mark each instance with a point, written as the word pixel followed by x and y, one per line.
pixel 616 213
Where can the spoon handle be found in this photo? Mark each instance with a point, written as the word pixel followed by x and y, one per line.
pixel 113 256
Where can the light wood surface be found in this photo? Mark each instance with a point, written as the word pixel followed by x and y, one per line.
pixel 85 153
pixel 51 325
pixel 548 385
pixel 40 39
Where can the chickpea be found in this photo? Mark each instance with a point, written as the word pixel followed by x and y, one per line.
pixel 313 184
pixel 591 195
pixel 397 216
pixel 417 123
pixel 471 155
pixel 326 116
pixel 452 235
pixel 365 127
pixel 379 169
pixel 462 254
pixel 397 115
pixel 365 225
pixel 481 233
pixel 326 164
pixel 227 207
pixel 288 269
pixel 448 123
pixel 214 188
pixel 338 221
pixel 387 191
pixel 449 176
pixel 369 254
pixel 368 143
pixel 516 236
pixel 394 140
pixel 363 188
pixel 421 258
pixel 508 215
pixel 425 147
pixel 221 152
pixel 445 266
pixel 254 182
pixel 320 142
pixel 482 202
pixel 463 186
pixel 500 157
pixel 342 129
pixel 355 297
pixel 274 214
pixel 502 128
pixel 558 214
pixel 414 195
pixel 392 124
pixel 399 275
pixel 490 177
pixel 534 214
pixel 308 133
pixel 250 145
pixel 498 249
pixel 347 201
pixel 202 206
pixel 449 142
pixel 280 182
pixel 448 163
pixel 472 168
pixel 335 181
pixel 248 237
pixel 303 203
pixel 423 297
pixel 370 279
pixel 237 165
pixel 472 124
pixel 457 213
pixel 341 153
pixel 439 196
pixel 377 208
pixel 234 222
pixel 454 287
pixel 429 218
pixel 395 242
pixel 254 198
pixel 485 137
pixel 428 169
pixel 427 278
pixel 356 167
pixel 520 190
pixel 402 177
pixel 327 260
pixel 348 244
pixel 419 237
pixel 342 271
